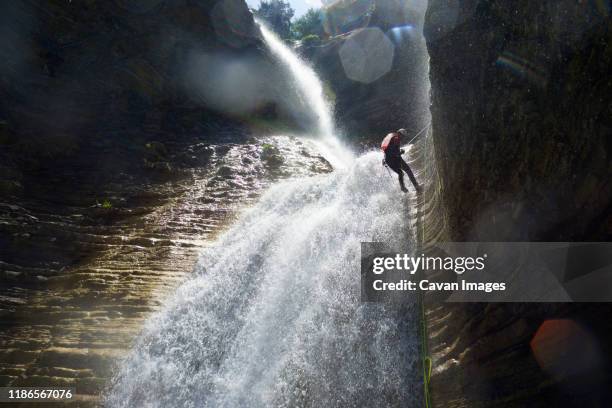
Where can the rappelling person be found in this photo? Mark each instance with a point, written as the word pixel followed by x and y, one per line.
pixel 393 158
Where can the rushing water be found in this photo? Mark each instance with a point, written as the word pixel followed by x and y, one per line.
pixel 311 90
pixel 306 80
pixel 272 315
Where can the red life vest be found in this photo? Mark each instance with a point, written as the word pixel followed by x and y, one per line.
pixel 390 139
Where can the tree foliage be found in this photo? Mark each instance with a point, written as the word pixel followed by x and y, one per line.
pixel 277 15
pixel 310 39
pixel 310 23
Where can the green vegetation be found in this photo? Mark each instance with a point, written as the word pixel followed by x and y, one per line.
pixel 107 205
pixel 311 39
pixel 309 26
pixel 271 156
pixel 277 14
pixel 330 95
pixel 261 125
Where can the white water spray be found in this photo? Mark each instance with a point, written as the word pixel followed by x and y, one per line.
pixel 272 316
pixel 310 88
pixel 306 80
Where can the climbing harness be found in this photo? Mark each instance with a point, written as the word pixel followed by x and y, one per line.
pixel 386 166
pixel 387 140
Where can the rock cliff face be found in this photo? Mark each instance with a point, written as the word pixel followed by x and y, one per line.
pixel 73 66
pixel 95 95
pixel 124 143
pixel 522 117
pixel 521 113
pixel 79 74
pixel 394 95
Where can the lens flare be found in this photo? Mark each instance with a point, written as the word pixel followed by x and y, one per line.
pixel 523 68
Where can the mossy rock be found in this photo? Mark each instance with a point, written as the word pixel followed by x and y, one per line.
pixel 156 151
pixel 5 134
pixel 224 171
pixel 271 155
pixel 10 187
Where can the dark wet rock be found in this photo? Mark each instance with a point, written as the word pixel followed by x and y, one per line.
pixel 271 156
pixel 102 86
pixel 10 187
pixel 197 155
pixel 222 149
pixel 224 171
pixel 79 279
pixel 157 151
pixel 520 100
pixel 159 166
pixel 93 63
pixel 521 128
pixel 397 98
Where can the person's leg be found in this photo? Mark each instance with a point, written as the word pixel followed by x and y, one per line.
pixel 400 175
pixel 408 171
pixel 397 167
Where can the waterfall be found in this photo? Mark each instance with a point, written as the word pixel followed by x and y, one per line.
pixel 272 315
pixel 311 90
pixel 306 80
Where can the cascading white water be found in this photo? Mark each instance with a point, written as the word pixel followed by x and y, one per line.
pixel 310 88
pixel 272 316
pixel 306 80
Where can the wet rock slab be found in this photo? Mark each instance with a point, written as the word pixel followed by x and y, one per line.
pixel 78 281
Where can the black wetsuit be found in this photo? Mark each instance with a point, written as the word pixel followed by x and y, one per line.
pixel 393 158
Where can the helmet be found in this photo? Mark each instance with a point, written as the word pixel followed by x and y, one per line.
pixel 403 132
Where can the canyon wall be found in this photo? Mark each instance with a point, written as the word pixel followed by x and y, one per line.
pixel 521 113
pixel 83 77
pixel 375 66
pixel 122 149
pixel 79 67
pixel 522 117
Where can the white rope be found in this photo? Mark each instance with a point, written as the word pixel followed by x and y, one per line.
pixel 420 131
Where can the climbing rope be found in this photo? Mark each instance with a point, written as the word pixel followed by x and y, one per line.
pixel 420 132
pixel 425 357
pixel 427 362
